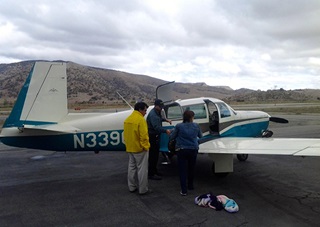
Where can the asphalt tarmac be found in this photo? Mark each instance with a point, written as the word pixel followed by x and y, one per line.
pixel 42 188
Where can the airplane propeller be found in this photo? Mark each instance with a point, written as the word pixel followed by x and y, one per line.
pixel 278 120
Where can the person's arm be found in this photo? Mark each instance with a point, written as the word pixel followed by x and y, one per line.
pixel 144 136
pixel 174 132
pixel 164 117
pixel 155 122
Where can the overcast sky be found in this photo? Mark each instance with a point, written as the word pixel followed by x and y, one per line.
pixel 256 44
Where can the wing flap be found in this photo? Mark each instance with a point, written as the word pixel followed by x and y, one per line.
pixel 313 150
pixel 274 146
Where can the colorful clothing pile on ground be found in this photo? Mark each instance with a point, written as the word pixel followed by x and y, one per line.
pixel 218 202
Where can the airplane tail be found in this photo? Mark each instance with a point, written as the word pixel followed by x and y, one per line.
pixel 43 98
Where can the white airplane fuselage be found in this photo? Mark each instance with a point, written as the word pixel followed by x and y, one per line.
pixel 104 131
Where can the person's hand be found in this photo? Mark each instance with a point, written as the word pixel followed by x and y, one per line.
pixel 170 122
pixel 168 132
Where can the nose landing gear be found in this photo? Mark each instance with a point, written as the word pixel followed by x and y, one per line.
pixel 267 134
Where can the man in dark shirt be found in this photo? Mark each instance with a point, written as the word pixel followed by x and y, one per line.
pixel 154 121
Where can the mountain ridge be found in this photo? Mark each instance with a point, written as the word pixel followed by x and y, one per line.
pixel 93 85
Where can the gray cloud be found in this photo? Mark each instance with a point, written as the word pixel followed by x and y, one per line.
pixel 253 44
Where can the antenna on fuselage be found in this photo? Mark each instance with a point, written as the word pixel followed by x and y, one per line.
pixel 124 100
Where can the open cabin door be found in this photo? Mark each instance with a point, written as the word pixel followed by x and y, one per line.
pixel 164 92
pixel 213 117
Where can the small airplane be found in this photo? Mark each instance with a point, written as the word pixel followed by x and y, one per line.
pixel 40 120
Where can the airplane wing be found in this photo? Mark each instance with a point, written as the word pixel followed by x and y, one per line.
pixel 272 146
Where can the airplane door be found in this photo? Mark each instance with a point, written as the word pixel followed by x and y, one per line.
pixel 213 117
pixel 164 92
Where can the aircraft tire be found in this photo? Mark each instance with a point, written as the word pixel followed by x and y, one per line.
pixel 242 157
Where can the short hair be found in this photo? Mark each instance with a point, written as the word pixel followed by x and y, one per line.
pixel 158 102
pixel 140 106
pixel 188 115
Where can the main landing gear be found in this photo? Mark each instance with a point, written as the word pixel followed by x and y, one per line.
pixel 244 157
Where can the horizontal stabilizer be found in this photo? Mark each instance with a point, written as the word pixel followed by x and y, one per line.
pixel 52 127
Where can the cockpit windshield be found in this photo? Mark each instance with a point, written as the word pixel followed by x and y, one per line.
pixel 224 110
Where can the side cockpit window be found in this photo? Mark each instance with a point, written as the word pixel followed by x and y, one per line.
pixel 174 112
pixel 198 109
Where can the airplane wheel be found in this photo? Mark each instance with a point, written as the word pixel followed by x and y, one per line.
pixel 219 175
pixel 242 157
pixel 267 134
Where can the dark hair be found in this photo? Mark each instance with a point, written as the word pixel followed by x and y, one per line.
pixel 187 116
pixel 158 102
pixel 140 106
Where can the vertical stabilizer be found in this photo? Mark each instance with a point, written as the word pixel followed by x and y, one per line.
pixel 43 97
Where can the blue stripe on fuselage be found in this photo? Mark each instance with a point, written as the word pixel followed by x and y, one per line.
pixel 247 130
pixel 90 141
pixel 107 140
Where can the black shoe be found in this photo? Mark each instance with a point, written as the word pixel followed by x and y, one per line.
pixel 183 193
pixel 166 163
pixel 147 192
pixel 133 191
pixel 154 177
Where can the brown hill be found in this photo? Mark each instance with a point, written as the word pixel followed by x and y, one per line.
pixel 100 86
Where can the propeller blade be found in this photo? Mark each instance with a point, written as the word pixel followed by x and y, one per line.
pixel 279 120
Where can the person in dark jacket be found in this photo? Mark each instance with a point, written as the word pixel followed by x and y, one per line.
pixel 186 135
pixel 154 121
